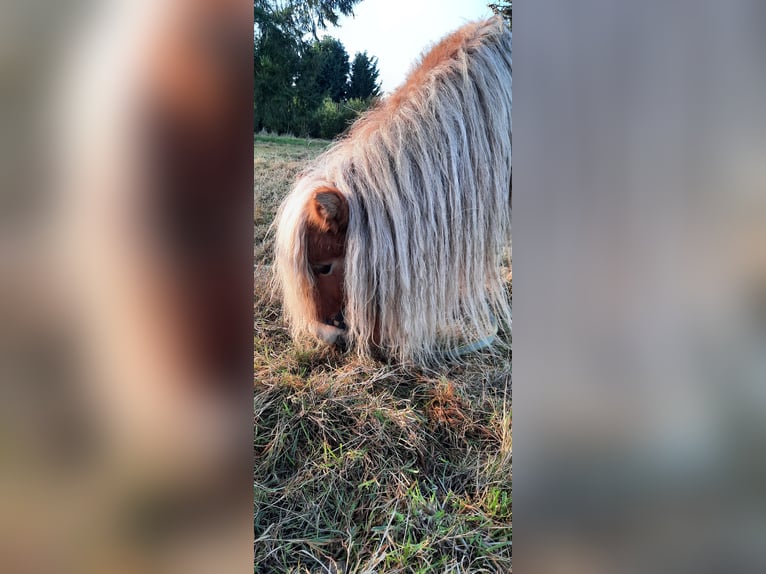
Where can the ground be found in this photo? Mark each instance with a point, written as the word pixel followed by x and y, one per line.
pixel 364 467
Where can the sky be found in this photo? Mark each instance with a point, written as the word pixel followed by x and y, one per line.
pixel 397 31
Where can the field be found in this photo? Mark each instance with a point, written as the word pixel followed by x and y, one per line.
pixel 363 467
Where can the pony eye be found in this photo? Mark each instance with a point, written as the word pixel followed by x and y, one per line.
pixel 323 269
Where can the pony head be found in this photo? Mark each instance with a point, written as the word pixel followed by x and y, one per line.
pixel 311 250
pixel 326 227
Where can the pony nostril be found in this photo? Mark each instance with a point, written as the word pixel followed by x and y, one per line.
pixel 337 321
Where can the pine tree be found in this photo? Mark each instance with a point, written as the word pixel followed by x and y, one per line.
pixel 275 64
pixel 363 82
pixel 332 68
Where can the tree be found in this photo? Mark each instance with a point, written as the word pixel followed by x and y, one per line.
pixel 332 68
pixel 363 82
pixel 505 10
pixel 299 86
pixel 311 15
pixel 303 17
pixel 308 96
pixel 275 65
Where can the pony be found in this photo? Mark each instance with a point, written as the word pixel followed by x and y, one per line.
pixel 391 242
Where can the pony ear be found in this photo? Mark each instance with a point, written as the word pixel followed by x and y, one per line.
pixel 329 210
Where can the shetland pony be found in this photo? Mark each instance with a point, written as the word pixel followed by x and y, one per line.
pixel 392 240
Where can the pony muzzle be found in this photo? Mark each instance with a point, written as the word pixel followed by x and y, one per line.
pixel 332 331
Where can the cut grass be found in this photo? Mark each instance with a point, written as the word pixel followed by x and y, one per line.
pixel 365 467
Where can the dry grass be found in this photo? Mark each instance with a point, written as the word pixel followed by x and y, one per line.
pixel 276 163
pixel 365 467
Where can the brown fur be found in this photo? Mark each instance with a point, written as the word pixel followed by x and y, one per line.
pixel 328 211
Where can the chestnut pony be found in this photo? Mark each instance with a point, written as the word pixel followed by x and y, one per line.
pixel 393 239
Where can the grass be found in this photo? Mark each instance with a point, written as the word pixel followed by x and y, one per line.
pixel 362 467
pixel 290 141
pixel 276 163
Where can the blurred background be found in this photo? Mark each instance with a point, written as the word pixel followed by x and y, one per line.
pixel 640 285
pixel 126 286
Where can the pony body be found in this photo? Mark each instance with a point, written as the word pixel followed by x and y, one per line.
pixel 393 237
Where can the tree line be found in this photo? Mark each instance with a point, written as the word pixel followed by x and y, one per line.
pixel 307 87
pixel 310 87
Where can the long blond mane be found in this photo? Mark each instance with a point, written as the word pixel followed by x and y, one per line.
pixel 427 178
